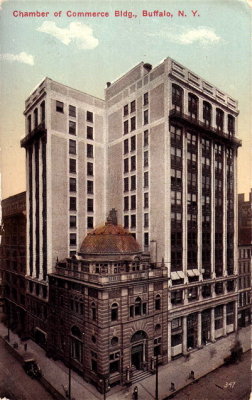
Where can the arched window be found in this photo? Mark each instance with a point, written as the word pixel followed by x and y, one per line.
pixel 93 311
pixel 139 335
pixel 219 119
pixel 207 113
pixel 193 105
pixel 138 304
pixel 114 341
pixel 114 312
pixel 157 327
pixel 177 98
pixel 231 125
pixel 158 302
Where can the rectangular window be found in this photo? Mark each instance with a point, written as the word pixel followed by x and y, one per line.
pixel 133 106
pixel 90 169
pixel 126 203
pixel 72 165
pixel 146 138
pixel 90 152
pixel 90 132
pixel 132 123
pixel 72 203
pixel 126 127
pixel 146 159
pixel 146 179
pixel 90 205
pixel 133 202
pixel 133 143
pixel 146 220
pixel 146 117
pixel 133 182
pixel 72 146
pixel 146 200
pixel 126 184
pixel 90 222
pixel 90 116
pixel 146 99
pixel 126 221
pixel 90 187
pixel 133 163
pixel 126 146
pixel 59 106
pixel 72 128
pixel 126 110
pixel 126 165
pixel 72 111
pixel 72 221
pixel 133 221
pixel 72 184
pixel 72 240
pixel 146 239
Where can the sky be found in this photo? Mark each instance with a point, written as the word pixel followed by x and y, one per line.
pixel 213 40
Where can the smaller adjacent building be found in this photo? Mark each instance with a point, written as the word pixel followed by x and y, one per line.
pixel 13 262
pixel 108 308
pixel 245 258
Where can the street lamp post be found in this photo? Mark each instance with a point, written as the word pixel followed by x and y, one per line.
pixel 8 321
pixel 69 370
pixel 156 394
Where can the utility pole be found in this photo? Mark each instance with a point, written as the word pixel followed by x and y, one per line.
pixel 156 395
pixel 8 321
pixel 69 371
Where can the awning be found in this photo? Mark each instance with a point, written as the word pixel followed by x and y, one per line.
pixel 177 275
pixel 193 272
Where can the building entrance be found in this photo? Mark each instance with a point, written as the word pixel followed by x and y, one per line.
pixel 138 349
pixel 137 356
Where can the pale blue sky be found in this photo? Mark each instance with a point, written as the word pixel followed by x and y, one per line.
pixel 216 45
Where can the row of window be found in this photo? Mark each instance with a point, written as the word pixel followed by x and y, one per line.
pixel 193 110
pixel 194 292
pixel 72 111
pixel 139 308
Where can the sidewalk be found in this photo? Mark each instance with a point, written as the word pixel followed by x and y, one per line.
pixel 201 362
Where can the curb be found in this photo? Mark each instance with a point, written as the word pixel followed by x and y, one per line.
pixel 44 382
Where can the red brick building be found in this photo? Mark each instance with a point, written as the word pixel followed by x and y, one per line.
pixel 108 308
pixel 13 261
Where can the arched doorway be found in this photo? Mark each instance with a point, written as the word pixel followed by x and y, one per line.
pixel 138 349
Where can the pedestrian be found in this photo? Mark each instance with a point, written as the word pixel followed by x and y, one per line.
pixel 25 347
pixel 135 393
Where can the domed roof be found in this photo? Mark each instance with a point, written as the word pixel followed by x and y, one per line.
pixel 108 240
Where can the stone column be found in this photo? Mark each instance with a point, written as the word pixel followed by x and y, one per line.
pixel 224 320
pixel 199 339
pixel 212 325
pixel 184 344
pixel 169 341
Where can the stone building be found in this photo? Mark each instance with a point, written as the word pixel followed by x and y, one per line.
pixel 108 308
pixel 162 150
pixel 245 258
pixel 13 261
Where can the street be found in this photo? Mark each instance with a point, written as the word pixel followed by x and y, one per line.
pixel 14 383
pixel 226 383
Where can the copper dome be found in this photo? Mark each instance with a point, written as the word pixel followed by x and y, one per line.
pixel 108 240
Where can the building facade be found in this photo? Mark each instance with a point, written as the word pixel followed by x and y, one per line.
pixel 13 262
pixel 245 259
pixel 65 163
pixel 108 308
pixel 161 149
